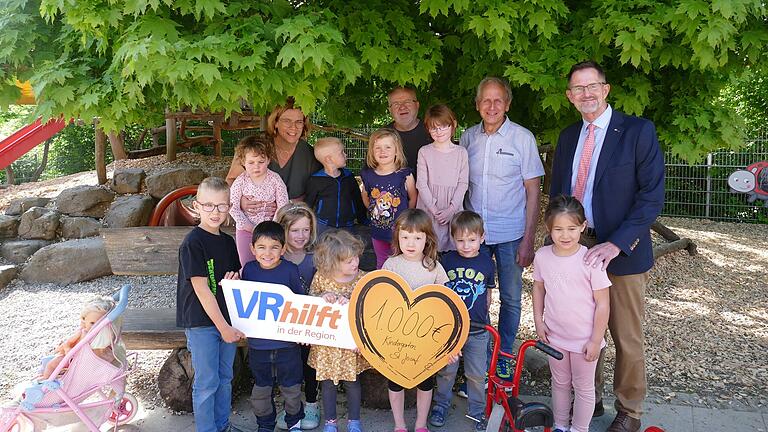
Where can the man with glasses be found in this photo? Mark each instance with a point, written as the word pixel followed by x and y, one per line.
pixel 504 188
pixel 612 163
pixel 404 108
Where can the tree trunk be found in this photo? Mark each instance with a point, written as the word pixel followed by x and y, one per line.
pixel 117 141
pixel 100 153
pixel 9 178
pixel 39 171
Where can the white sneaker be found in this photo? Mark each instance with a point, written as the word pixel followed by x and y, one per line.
pixel 311 418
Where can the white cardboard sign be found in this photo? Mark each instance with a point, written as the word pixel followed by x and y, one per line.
pixel 270 311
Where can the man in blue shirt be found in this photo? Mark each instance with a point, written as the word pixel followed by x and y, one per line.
pixel 504 181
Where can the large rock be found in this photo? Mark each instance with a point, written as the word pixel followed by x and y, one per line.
pixel 90 201
pixel 68 262
pixel 79 227
pixel 9 226
pixel 18 206
pixel 18 251
pixel 129 211
pixel 7 273
pixel 158 185
pixel 39 223
pixel 127 181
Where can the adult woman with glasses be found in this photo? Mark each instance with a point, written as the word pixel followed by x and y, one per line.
pixel 294 160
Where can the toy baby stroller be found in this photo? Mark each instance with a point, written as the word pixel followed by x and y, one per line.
pixel 84 387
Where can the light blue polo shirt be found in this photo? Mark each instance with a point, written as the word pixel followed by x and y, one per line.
pixel 498 165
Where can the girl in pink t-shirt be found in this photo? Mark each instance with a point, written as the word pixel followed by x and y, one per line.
pixel 570 310
pixel 256 183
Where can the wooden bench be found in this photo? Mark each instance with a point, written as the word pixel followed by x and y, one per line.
pixel 153 329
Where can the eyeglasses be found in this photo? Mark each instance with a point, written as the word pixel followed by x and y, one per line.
pixel 592 88
pixel 298 124
pixel 439 128
pixel 399 104
pixel 208 207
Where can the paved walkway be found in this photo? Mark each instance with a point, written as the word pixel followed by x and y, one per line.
pixel 672 418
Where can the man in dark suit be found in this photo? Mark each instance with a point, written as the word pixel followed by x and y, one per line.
pixel 613 164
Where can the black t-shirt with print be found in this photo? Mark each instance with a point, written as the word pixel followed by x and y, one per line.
pixel 210 256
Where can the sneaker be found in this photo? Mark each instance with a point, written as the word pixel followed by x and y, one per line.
pixel 330 426
pixel 481 425
pixel 504 369
pixel 462 393
pixel 437 416
pixel 311 418
pixel 354 426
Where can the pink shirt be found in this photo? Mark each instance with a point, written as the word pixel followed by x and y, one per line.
pixel 271 189
pixel 569 305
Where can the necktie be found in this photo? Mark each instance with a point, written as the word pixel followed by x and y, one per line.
pixel 586 159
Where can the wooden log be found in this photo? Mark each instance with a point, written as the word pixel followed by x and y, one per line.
pixel 665 232
pixel 145 250
pixel 170 139
pixel 100 153
pixel 152 329
pixel 175 380
pixel 140 154
pixel 674 246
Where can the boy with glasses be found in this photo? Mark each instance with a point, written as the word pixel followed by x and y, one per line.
pixel 206 256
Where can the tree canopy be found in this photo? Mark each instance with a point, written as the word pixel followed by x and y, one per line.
pixel 126 61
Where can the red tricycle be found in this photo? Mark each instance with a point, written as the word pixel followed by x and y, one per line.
pixel 504 411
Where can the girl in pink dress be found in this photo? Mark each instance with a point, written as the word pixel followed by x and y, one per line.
pixel 256 183
pixel 442 174
pixel 570 311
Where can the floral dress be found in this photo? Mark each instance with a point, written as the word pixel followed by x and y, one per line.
pixel 332 363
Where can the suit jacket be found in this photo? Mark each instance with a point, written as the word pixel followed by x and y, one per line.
pixel 628 193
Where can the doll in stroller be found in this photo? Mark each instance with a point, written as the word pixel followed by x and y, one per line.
pixel 84 381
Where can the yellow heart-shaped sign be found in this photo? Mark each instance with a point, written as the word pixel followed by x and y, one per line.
pixel 407 335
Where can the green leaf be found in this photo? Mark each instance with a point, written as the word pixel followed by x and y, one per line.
pixel 208 72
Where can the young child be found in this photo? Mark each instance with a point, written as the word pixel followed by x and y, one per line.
pixel 442 173
pixel 471 274
pixel 388 188
pixel 102 344
pixel 414 257
pixel 570 311
pixel 206 256
pixel 300 232
pixel 266 355
pixel 256 183
pixel 337 256
pixel 333 192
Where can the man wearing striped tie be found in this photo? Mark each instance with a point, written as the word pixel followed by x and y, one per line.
pixel 613 164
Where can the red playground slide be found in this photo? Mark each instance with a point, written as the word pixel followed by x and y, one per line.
pixel 26 138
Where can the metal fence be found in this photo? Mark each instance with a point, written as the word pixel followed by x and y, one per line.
pixel 701 190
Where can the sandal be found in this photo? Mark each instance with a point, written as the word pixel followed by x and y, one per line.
pixel 421 430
